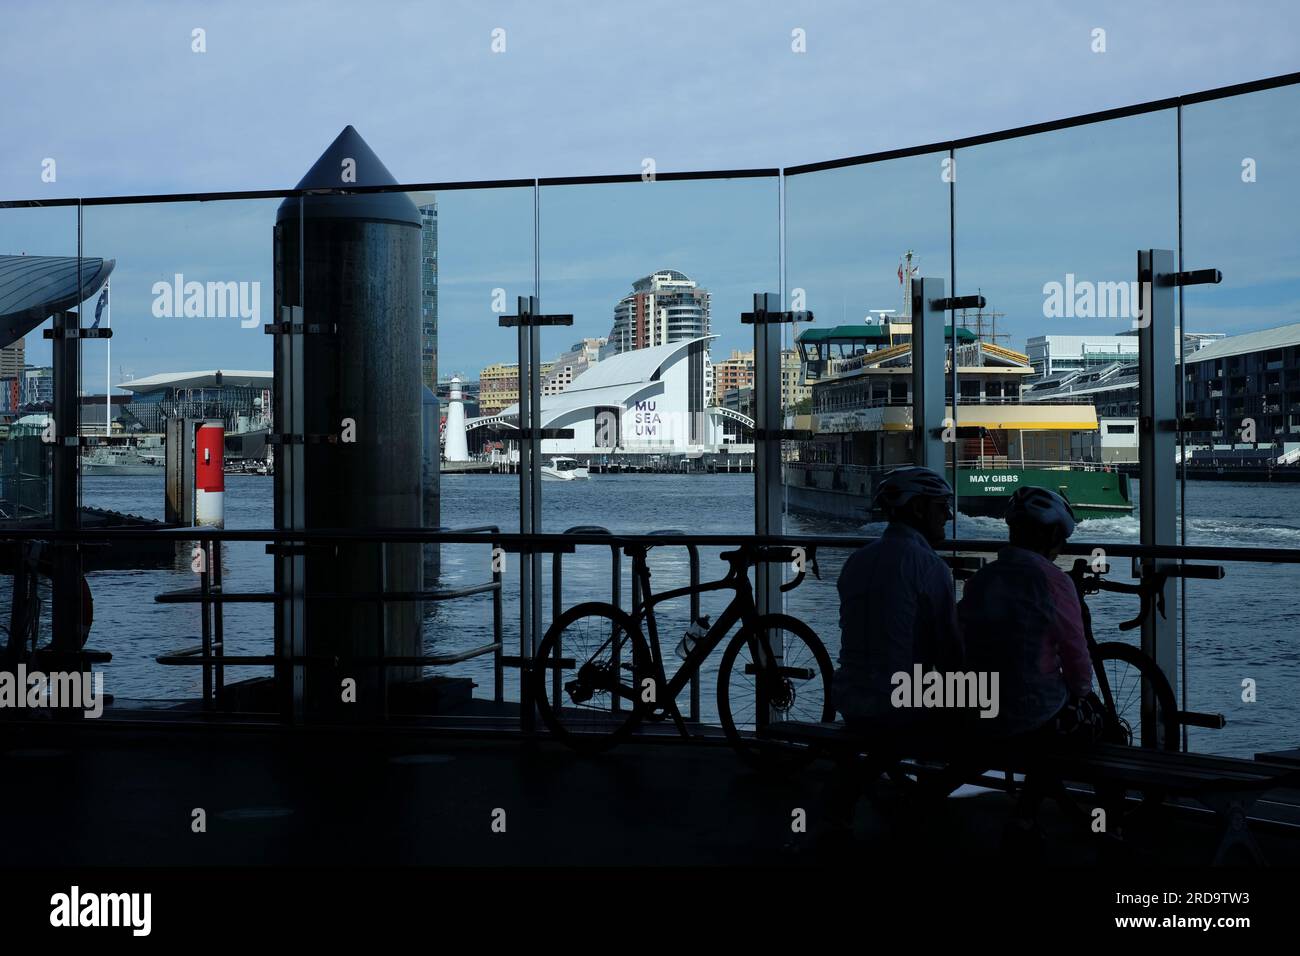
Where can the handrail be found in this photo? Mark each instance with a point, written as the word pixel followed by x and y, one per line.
pixel 548 542
pixel 210 654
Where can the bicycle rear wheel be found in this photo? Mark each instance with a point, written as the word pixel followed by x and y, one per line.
pixel 1125 676
pixel 587 676
pixel 1128 675
pixel 778 670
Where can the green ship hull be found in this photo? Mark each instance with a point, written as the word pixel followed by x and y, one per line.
pixel 1091 494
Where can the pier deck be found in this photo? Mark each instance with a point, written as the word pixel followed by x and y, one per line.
pixel 120 793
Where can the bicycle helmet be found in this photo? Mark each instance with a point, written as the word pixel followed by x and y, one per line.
pixel 1041 507
pixel 901 485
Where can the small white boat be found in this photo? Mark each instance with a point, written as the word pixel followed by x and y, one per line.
pixel 563 469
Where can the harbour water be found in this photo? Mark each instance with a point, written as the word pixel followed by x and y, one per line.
pixel 1245 627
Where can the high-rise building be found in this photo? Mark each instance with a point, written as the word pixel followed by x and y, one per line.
pixel 734 372
pixel 38 385
pixel 569 365
pixel 664 307
pixel 429 294
pixel 793 390
pixel 11 359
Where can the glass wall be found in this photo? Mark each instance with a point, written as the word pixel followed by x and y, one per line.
pixel 1241 371
pixel 402 293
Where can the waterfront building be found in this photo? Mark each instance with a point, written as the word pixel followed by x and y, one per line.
pixel 240 399
pixel 665 306
pixel 1053 356
pixel 732 373
pixel 499 385
pixel 1255 377
pixel 645 401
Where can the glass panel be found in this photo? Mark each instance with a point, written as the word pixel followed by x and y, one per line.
pixel 853 236
pixel 655 376
pixel 1242 379
pixel 414 283
pixel 192 289
pixel 1048 230
pixel 481 241
pixel 38 248
pixel 38 276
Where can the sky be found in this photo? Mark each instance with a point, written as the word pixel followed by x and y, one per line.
pixel 125 103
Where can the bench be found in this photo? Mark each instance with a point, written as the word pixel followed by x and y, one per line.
pixel 1227 786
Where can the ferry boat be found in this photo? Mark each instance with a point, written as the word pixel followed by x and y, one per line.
pixel 563 469
pixel 861 426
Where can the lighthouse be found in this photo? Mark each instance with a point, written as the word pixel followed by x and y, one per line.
pixel 454 448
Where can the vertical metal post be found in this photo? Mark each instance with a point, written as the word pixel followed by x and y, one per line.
pixel 694 556
pixel 616 598
pixel 66 597
pixel 767 449
pixel 218 620
pixel 535 472
pixel 1157 397
pixel 557 589
pixel 383 635
pixel 927 374
pixel 498 666
pixel 205 612
pixel 526 468
pixel 290 469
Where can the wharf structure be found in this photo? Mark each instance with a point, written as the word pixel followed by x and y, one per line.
pixel 349 637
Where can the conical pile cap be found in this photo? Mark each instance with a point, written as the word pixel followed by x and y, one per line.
pixel 328 173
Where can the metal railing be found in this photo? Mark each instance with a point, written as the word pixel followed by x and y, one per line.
pixel 211 598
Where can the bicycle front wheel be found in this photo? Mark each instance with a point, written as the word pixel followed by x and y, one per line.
pixel 776 670
pixel 587 676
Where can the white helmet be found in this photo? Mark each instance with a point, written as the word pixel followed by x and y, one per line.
pixel 901 485
pixel 1042 507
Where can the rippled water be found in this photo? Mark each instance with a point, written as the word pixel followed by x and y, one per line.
pixel 1246 626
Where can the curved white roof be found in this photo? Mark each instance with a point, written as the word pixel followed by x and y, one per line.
pixel 235 377
pixel 617 380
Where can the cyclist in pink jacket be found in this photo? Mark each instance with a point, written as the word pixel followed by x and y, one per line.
pixel 1020 617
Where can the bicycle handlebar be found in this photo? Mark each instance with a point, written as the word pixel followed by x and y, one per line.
pixel 1151 587
pixel 802 557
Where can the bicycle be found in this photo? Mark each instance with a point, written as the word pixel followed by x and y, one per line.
pixel 1125 675
pixel 595 659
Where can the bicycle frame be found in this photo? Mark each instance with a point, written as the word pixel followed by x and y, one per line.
pixel 741 609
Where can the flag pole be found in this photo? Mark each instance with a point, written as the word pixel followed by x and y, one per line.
pixel 108 367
